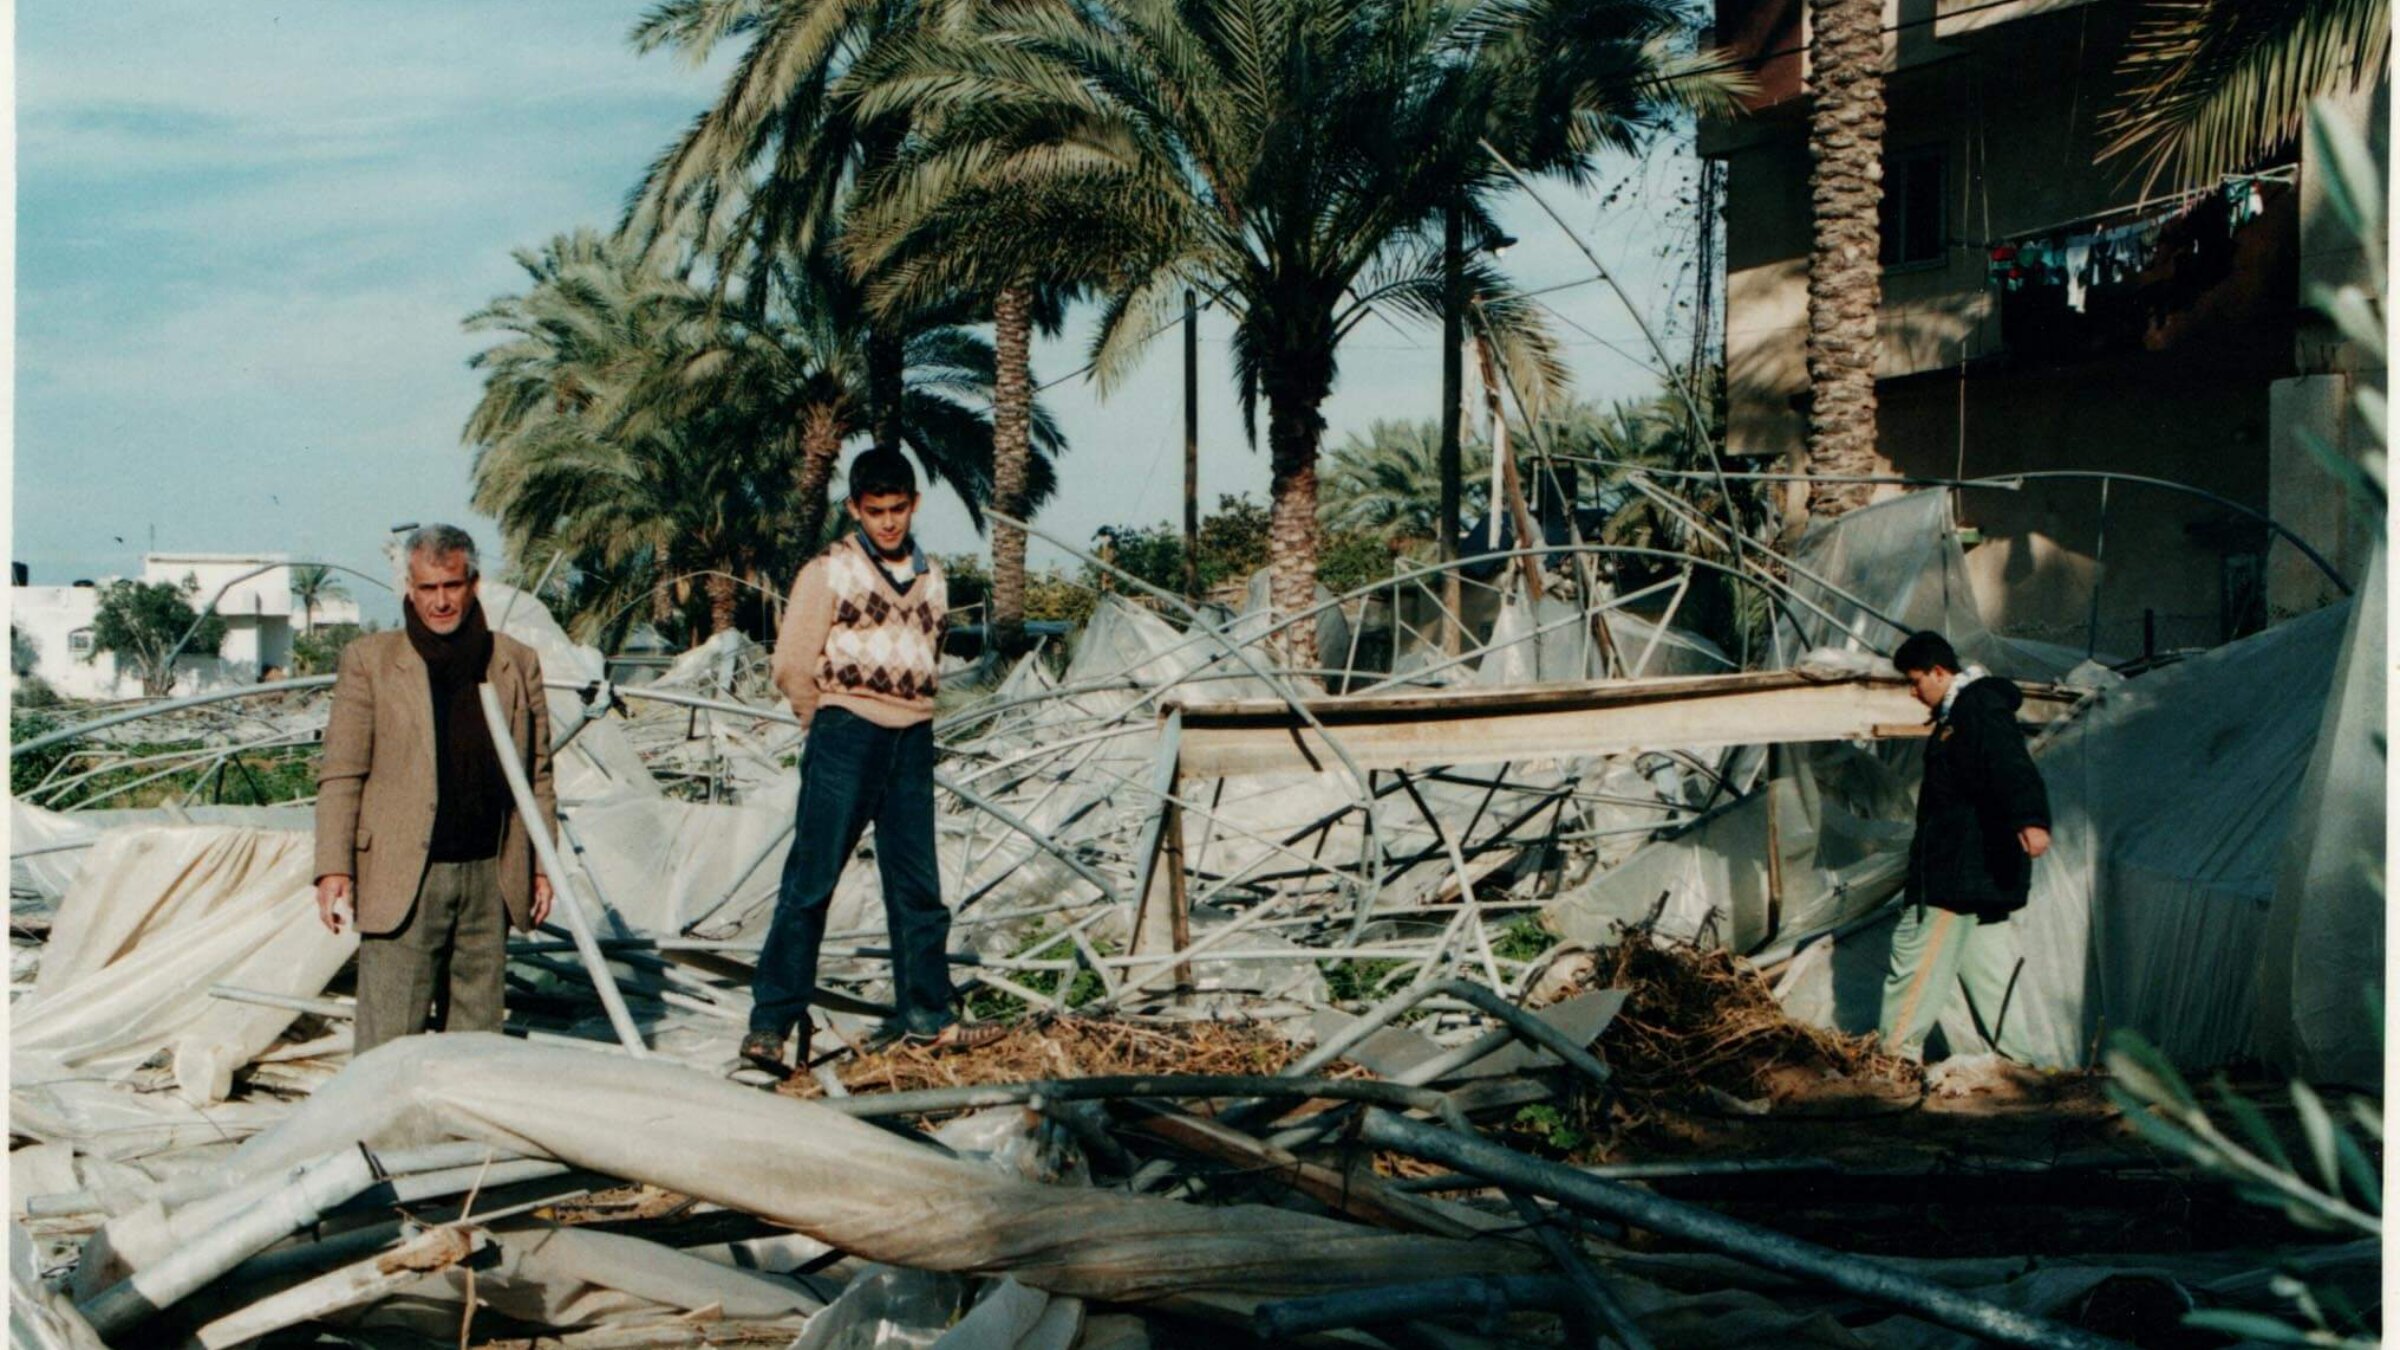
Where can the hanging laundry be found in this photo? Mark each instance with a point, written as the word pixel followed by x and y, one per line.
pixel 2078 256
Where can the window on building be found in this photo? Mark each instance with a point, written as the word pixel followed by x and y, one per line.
pixel 79 642
pixel 1914 225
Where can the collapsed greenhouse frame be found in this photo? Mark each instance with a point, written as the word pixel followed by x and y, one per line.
pixel 1072 814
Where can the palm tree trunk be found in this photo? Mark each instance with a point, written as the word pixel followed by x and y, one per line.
pixel 720 603
pixel 1295 426
pixel 820 446
pixel 1845 271
pixel 1012 452
pixel 887 380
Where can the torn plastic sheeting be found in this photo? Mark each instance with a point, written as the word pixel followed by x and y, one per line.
pixel 2171 797
pixel 158 915
pixel 2321 967
pixel 885 1308
pixel 1903 557
pixel 1009 1316
pixel 1521 652
pixel 659 863
pixel 575 1278
pixel 839 1180
pixel 104 1120
pixel 599 760
pixel 38 1317
pixel 1714 878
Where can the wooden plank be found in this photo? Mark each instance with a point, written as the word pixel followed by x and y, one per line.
pixel 1163 922
pixel 1546 722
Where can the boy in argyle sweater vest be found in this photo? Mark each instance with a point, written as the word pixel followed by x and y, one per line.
pixel 859 658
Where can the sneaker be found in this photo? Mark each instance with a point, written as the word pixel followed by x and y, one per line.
pixel 765 1049
pixel 960 1036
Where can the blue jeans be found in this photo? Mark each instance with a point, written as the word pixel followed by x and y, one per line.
pixel 853 772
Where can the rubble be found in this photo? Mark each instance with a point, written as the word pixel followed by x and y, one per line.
pixel 1298 1024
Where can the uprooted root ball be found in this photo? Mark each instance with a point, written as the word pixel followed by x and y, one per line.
pixel 1696 1019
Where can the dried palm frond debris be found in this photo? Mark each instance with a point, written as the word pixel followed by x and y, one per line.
pixel 1696 1019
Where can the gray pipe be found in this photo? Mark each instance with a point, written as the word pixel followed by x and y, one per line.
pixel 1518 1023
pixel 300 1203
pixel 184 1190
pixel 530 812
pixel 1487 1298
pixel 1861 1276
pixel 929 1101
pixel 65 734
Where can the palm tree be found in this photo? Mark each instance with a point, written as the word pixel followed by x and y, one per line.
pixel 631 378
pixel 764 175
pixel 1845 271
pixel 799 366
pixel 312 584
pixel 2212 87
pixel 675 499
pixel 922 238
pixel 782 110
pixel 1291 159
pixel 1389 481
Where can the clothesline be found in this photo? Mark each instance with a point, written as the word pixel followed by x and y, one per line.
pixel 2286 173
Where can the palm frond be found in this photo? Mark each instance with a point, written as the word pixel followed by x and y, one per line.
pixel 2212 87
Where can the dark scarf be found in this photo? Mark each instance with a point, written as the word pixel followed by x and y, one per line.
pixel 471 796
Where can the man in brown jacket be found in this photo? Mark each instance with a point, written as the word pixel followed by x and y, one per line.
pixel 418 839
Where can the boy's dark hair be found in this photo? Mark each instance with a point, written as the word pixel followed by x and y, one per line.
pixel 1926 651
pixel 879 472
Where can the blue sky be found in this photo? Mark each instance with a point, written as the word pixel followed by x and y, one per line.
pixel 247 235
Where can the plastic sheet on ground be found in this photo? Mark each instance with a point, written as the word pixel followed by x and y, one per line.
pixel 840 1180
pixel 157 916
pixel 571 1278
pixel 38 1317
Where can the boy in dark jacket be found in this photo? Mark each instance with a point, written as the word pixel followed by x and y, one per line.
pixel 1982 818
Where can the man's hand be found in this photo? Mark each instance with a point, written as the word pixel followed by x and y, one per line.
pixel 2034 840
pixel 541 899
pixel 334 904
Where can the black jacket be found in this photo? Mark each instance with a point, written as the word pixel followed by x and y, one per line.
pixel 1980 788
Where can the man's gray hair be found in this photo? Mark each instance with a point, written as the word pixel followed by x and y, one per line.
pixel 438 542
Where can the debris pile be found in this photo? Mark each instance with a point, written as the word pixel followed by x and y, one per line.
pixel 1321 1025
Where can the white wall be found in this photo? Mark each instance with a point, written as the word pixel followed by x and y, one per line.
pixel 261 621
pixel 51 615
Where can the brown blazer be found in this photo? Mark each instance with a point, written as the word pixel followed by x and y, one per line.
pixel 376 784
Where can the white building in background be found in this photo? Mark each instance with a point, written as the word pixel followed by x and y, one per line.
pixel 252 591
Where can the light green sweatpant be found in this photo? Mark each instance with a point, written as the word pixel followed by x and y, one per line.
pixel 1936 950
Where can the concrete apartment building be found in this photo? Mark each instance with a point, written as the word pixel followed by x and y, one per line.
pixel 252 591
pixel 2045 313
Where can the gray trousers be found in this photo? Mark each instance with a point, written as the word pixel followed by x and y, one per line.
pixel 442 968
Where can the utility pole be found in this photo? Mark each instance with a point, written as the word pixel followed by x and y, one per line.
pixel 1453 336
pixel 1191 444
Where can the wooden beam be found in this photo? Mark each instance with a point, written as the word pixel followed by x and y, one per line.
pixel 1421 730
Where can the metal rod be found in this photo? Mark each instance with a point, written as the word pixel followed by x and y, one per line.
pixel 1127 1087
pixel 570 900
pixel 1861 1276
pixel 65 734
pixel 1599 1305
pixel 1487 1298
